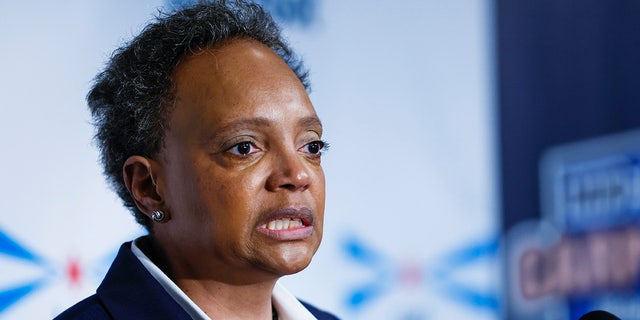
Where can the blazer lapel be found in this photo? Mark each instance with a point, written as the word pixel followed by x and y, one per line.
pixel 129 291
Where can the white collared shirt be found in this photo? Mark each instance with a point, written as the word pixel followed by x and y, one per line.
pixel 288 307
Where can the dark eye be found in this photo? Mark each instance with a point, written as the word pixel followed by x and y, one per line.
pixel 315 147
pixel 243 149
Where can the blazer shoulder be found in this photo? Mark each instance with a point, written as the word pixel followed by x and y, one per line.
pixel 87 309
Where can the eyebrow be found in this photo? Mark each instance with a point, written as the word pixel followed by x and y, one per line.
pixel 310 121
pixel 243 123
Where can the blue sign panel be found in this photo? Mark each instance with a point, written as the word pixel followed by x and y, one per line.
pixel 585 253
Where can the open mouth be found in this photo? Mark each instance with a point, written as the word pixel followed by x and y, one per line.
pixel 283 224
pixel 288 224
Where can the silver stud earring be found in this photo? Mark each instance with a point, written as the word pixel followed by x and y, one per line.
pixel 158 216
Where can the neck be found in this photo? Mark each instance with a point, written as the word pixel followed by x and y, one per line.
pixel 224 301
pixel 220 297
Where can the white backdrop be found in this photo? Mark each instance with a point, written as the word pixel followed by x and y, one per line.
pixel 405 93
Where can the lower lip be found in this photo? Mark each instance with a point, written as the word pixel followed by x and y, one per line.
pixel 299 233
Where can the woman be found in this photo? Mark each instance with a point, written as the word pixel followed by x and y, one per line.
pixel 208 135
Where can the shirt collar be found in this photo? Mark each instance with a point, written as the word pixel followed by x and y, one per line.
pixel 288 307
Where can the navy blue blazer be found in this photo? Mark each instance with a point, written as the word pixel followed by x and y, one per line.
pixel 129 291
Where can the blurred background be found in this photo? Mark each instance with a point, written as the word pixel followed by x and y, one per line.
pixel 484 162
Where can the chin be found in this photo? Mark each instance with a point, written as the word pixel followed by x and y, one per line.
pixel 293 260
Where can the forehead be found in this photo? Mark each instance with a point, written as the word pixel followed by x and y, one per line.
pixel 234 78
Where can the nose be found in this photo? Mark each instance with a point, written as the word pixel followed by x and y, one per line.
pixel 289 172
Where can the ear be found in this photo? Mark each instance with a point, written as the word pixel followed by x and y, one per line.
pixel 138 177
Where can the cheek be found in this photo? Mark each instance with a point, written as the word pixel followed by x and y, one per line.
pixel 232 201
pixel 319 198
pixel 320 190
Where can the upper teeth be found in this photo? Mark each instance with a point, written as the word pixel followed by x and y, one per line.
pixel 284 223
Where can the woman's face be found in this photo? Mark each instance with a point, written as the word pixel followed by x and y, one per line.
pixel 240 170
